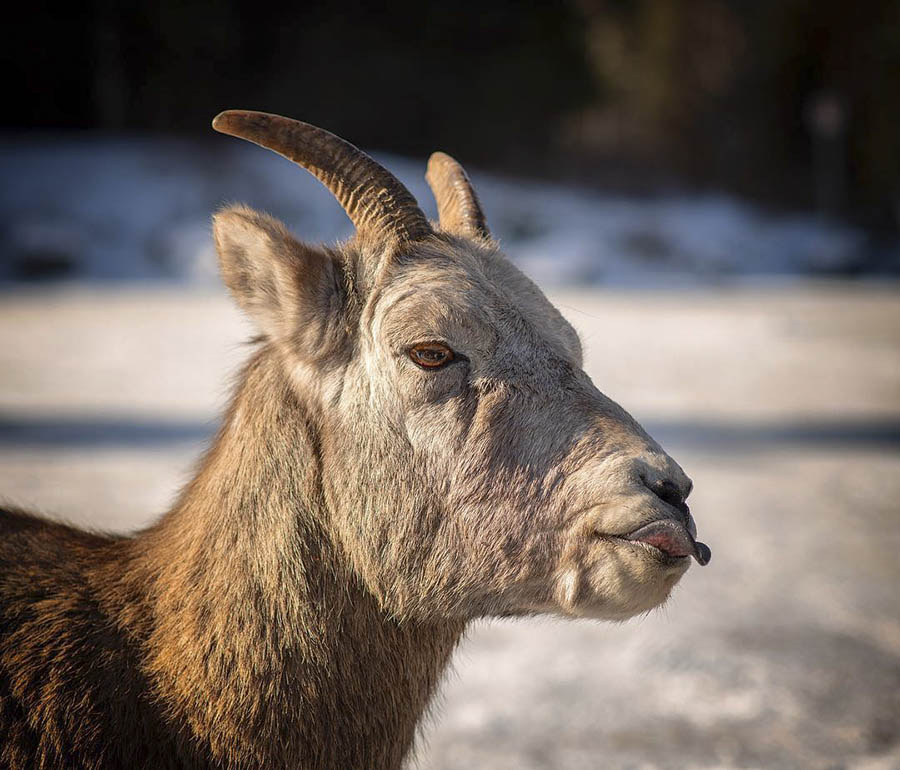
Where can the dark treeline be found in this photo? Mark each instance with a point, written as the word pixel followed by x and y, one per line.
pixel 794 102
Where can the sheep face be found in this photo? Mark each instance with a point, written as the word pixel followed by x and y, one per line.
pixel 469 466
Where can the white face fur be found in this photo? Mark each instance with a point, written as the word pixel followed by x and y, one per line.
pixel 500 481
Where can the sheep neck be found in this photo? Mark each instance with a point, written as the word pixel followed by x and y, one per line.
pixel 262 640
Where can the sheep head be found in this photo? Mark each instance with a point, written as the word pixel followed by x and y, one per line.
pixel 469 466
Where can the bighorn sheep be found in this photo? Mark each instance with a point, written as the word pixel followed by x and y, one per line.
pixel 413 445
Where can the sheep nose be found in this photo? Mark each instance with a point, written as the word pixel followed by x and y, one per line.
pixel 670 492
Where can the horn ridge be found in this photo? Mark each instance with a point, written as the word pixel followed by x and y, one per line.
pixel 459 209
pixel 374 199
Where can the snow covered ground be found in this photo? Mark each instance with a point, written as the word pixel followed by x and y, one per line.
pixel 783 404
pixel 133 208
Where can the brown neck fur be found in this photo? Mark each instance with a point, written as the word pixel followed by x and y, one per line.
pixel 257 635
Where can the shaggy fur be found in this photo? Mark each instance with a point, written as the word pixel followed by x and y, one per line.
pixel 298 605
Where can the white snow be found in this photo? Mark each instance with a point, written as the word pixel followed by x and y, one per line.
pixel 140 209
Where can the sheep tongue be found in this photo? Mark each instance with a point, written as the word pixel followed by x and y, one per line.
pixel 702 554
pixel 673 539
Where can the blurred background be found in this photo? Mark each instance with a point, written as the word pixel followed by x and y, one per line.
pixel 710 191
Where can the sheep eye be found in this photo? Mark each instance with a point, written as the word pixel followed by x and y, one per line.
pixel 431 355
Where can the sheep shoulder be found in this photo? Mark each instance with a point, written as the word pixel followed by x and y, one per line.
pixel 62 634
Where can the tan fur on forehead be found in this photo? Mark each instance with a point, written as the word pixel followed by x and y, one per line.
pixel 466 291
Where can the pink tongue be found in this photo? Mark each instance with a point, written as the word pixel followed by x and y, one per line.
pixel 667 535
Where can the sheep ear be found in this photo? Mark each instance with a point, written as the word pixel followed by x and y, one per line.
pixel 290 289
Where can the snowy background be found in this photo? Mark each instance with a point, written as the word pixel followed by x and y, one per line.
pixel 138 209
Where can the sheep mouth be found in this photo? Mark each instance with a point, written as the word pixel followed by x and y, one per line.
pixel 671 539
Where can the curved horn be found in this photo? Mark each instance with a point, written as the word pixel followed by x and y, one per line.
pixel 374 199
pixel 458 208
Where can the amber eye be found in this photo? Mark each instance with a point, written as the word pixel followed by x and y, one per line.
pixel 431 355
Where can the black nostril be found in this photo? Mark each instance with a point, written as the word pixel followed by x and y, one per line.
pixel 668 492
